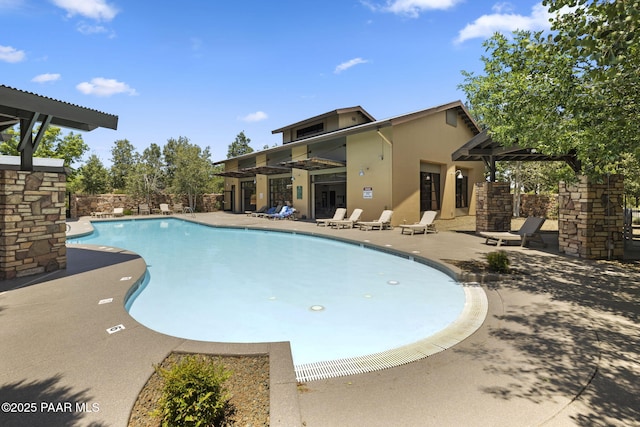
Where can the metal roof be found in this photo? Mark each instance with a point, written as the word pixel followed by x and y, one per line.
pixel 376 125
pixel 17 104
pixel 27 109
pixel 357 109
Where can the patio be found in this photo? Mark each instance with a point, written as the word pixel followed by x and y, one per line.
pixel 559 345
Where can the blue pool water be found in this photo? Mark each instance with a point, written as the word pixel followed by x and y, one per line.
pixel 331 300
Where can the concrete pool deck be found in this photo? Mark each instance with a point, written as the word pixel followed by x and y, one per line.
pixel 559 345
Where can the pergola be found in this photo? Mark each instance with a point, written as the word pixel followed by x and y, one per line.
pixel 482 148
pixel 28 109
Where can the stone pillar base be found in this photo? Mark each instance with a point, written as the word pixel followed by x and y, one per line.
pixel 494 206
pixel 32 223
pixel 591 218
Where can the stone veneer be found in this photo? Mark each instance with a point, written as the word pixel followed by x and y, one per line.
pixel 84 205
pixel 591 218
pixel 494 206
pixel 32 223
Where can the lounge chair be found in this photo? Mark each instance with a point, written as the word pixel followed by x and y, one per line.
pixel 143 209
pixel 347 223
pixel 164 209
pixel 286 212
pixel 381 223
pixel 530 231
pixel 272 210
pixel 118 212
pixel 426 224
pixel 337 216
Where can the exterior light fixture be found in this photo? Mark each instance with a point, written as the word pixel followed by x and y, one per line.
pixel 361 173
pixel 459 174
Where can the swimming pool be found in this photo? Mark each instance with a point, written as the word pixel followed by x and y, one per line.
pixel 330 299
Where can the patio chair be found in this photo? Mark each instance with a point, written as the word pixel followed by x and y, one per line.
pixel 143 209
pixel 272 210
pixel 118 212
pixel 337 216
pixel 287 212
pixel 164 209
pixel 425 226
pixel 381 223
pixel 530 231
pixel 347 223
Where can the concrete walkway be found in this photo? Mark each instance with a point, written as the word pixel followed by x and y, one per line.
pixel 559 346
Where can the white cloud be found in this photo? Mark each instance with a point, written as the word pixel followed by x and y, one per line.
pixel 10 54
pixel 487 25
pixel 258 116
pixel 350 63
pixel 411 8
pixel 98 10
pixel 100 86
pixel 45 78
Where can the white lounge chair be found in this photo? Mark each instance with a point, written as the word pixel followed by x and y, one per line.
pixel 339 215
pixel 426 224
pixel 381 223
pixel 529 231
pixel 118 212
pixel 164 209
pixel 347 223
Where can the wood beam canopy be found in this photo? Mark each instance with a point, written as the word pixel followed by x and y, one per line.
pixel 482 148
pixel 28 109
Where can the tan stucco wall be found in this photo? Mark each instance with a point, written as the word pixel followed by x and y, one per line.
pixel 371 154
pixel 429 140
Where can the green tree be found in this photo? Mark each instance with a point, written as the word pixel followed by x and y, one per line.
pixel 193 171
pixel 94 176
pixel 147 175
pixel 123 159
pixel 572 91
pixel 239 146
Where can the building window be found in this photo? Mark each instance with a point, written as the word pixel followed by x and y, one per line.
pixel 461 192
pixel 280 190
pixel 309 130
pixel 452 118
pixel 429 191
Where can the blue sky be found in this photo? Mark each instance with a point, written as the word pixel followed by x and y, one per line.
pixel 207 70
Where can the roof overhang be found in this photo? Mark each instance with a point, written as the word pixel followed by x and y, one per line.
pixel 314 163
pixel 16 105
pixel 482 148
pixel 28 109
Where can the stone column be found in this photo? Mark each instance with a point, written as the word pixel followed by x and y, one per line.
pixel 591 218
pixel 32 223
pixel 494 206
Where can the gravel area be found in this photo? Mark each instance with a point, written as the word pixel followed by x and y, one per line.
pixel 248 386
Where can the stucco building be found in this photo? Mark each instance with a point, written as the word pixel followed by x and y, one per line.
pixel 346 158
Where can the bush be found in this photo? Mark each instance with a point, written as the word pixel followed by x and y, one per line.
pixel 193 393
pixel 498 261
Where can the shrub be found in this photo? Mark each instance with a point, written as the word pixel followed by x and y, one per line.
pixel 193 393
pixel 498 261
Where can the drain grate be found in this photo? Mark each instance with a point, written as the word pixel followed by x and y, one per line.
pixel 471 318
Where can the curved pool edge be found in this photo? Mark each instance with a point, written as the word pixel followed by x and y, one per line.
pixel 283 406
pixel 468 321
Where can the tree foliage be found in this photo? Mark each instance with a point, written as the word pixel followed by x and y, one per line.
pixel 191 168
pixel 94 176
pixel 123 160
pixel 239 146
pixel 573 90
pixel 146 176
